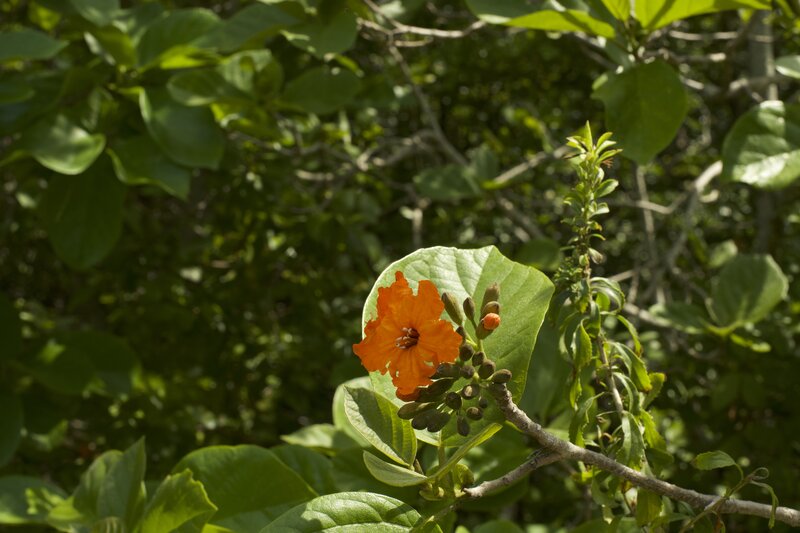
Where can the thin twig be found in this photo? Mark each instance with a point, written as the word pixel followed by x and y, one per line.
pixel 537 460
pixel 568 451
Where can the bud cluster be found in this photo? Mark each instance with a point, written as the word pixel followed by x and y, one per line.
pixel 433 406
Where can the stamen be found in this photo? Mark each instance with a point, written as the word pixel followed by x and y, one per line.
pixel 408 340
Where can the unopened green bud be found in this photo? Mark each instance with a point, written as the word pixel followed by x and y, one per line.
pixel 446 370
pixel 463 426
pixel 437 421
pixel 474 413
pixel 483 402
pixel 501 376
pixel 470 391
pixel 467 371
pixel 469 308
pixel 465 352
pixel 491 307
pixel 486 369
pixel 437 388
pixel 461 331
pixel 410 410
pixel 453 400
pixel 451 306
pixel 478 358
pixel 492 294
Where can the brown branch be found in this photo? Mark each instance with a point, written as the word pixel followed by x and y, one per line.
pixel 538 460
pixel 564 450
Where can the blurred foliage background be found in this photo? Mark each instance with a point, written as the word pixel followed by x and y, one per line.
pixel 197 197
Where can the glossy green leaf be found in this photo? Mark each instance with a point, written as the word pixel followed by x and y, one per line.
pixel 620 9
pixel 322 37
pixel 338 413
pixel 789 66
pixel 322 90
pixel 522 15
pixel 746 290
pixel 10 330
pixel 712 460
pixel 391 474
pixel 654 14
pixel 763 147
pixel 324 438
pixel 582 351
pixel 100 12
pixel 348 512
pixel 188 135
pixel 27 44
pixel 61 145
pixel 312 466
pixel 83 215
pixel 524 296
pixel 10 425
pixel 566 20
pixel 172 35
pixel 121 492
pixel 139 161
pixel 178 501
pixel 249 485
pixel 645 105
pixel 87 495
pixel 375 417
pixel 15 493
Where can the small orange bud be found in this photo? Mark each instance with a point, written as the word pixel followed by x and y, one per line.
pixel 491 321
pixel 409 397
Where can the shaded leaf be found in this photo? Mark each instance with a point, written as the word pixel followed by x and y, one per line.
pixel 645 105
pixel 139 161
pixel 61 145
pixel 322 90
pixel 391 474
pixel 26 44
pixel 746 290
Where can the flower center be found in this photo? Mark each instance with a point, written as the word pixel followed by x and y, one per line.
pixel 409 339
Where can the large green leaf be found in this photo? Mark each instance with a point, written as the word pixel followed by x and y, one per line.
pixel 312 466
pixel 10 330
pixel 15 496
pixel 322 90
pixel 324 438
pixel 179 500
pixel 763 147
pixel 188 135
pixel 60 145
pixel 524 296
pixel 348 512
pixel 139 161
pixel 391 474
pixel 322 37
pixel 746 290
pixel 376 419
pixel 520 14
pixel 87 495
pixel 645 106
pixel 10 426
pixel 83 215
pixel 172 36
pixel 654 14
pixel 26 44
pixel 338 413
pixel 249 485
pixel 713 460
pixel 121 492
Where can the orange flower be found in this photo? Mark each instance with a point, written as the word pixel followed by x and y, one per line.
pixel 408 338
